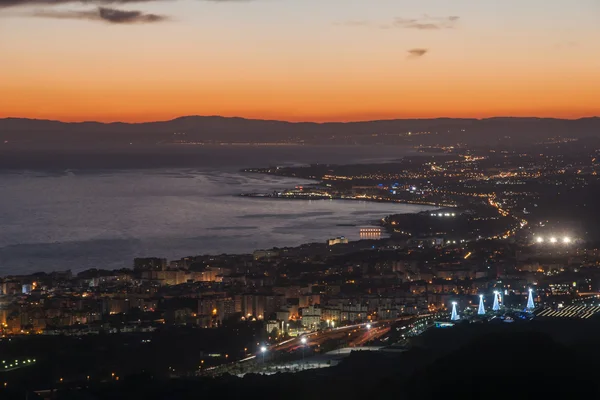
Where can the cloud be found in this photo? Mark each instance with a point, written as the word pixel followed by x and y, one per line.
pixel 417 53
pixel 425 22
pixel 101 13
pixel 109 15
pixel 18 3
pixel 104 12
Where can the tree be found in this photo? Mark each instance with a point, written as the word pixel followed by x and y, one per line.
pixel 274 334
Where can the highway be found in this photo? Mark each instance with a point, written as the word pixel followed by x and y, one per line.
pixel 320 337
pixel 354 335
pixel 314 339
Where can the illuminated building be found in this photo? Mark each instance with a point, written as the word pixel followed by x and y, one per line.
pixel 370 232
pixel 337 240
pixel 311 317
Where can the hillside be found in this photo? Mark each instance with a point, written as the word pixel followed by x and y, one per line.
pixel 222 129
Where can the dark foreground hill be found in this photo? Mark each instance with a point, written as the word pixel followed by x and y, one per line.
pixel 522 360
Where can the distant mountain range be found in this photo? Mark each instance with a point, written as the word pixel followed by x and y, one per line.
pixel 223 129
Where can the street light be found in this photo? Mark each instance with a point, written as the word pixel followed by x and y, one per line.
pixel 263 350
pixel 368 326
pixel 539 239
pixel 566 240
pixel 553 240
pixel 303 340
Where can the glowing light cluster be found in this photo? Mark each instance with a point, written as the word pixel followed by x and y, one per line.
pixel 554 240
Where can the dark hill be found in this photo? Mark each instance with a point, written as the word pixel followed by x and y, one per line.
pixel 443 130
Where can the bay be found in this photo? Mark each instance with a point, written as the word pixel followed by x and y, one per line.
pixel 78 211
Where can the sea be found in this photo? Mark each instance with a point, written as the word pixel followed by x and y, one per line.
pixel 100 208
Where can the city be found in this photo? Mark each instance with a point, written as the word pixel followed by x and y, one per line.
pixel 299 199
pixel 488 252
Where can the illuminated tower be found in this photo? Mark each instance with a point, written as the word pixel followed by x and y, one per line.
pixel 530 305
pixel 496 306
pixel 454 316
pixel 481 310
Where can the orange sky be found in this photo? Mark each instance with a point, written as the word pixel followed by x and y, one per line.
pixel 297 60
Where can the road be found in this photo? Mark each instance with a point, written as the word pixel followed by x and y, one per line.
pixel 370 335
pixel 354 335
pixel 315 339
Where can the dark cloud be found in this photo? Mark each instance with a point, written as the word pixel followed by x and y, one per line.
pixel 49 3
pixel 104 14
pixel 105 11
pixel 416 53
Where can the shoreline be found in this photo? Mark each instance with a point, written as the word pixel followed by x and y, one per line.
pixel 386 235
pixel 383 237
pixel 342 198
pixel 317 182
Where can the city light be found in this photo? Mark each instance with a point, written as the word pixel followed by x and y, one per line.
pixel 454 316
pixel 263 350
pixel 554 240
pixel 368 326
pixel 481 310
pixel 303 340
pixel 530 305
pixel 496 305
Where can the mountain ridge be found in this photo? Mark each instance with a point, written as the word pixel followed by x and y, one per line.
pixel 195 128
pixel 237 118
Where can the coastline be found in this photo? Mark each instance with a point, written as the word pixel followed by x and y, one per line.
pixel 344 198
pixel 317 182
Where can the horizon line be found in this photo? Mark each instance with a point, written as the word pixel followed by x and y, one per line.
pixel 294 122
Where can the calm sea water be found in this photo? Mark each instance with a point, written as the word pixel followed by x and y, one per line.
pixel 78 211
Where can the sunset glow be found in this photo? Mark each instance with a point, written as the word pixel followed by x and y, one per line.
pixel 297 60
